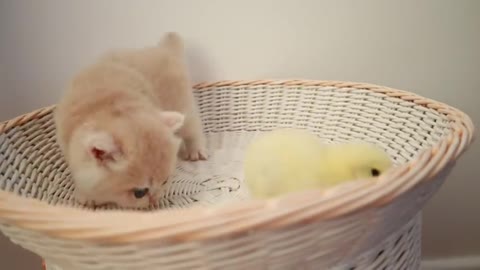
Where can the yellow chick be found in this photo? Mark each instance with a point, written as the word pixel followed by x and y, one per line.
pixel 288 160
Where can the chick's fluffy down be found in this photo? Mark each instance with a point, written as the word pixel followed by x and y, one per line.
pixel 289 160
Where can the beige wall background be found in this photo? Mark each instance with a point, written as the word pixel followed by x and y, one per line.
pixel 431 47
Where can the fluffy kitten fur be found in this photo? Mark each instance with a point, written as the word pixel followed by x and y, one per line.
pixel 124 119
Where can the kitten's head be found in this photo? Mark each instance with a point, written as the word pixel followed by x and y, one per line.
pixel 126 160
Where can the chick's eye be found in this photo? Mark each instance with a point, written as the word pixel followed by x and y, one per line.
pixel 375 172
pixel 140 192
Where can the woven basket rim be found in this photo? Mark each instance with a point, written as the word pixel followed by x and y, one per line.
pixel 200 223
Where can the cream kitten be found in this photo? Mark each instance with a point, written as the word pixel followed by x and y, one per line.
pixel 123 120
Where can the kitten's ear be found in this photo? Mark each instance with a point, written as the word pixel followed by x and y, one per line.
pixel 173 120
pixel 102 147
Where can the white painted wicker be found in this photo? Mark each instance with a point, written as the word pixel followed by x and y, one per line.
pixel 206 221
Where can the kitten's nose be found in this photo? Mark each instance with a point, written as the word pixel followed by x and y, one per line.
pixel 140 192
pixel 152 200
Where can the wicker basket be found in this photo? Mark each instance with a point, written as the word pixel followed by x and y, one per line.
pixel 208 224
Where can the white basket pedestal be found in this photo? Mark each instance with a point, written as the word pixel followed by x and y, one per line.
pixel 394 244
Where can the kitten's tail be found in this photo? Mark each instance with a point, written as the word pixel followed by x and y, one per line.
pixel 173 42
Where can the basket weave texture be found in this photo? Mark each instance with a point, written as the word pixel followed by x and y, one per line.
pixel 206 221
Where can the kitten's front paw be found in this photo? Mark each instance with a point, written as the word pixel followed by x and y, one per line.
pixel 83 200
pixel 194 153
